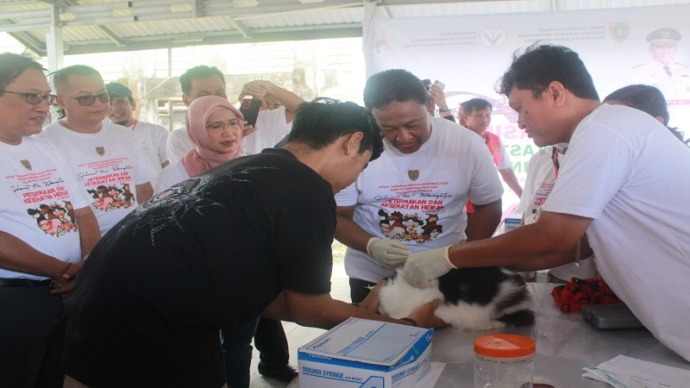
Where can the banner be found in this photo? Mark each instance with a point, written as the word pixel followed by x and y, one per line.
pixel 470 53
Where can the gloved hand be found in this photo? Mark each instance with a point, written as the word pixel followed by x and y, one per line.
pixel 423 267
pixel 390 253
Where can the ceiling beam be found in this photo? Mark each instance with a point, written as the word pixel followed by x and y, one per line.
pixel 33 44
pixel 326 32
pixel 112 36
pixel 239 26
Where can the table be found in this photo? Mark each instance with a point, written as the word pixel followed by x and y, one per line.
pixel 565 344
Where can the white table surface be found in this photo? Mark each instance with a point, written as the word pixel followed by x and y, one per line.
pixel 565 344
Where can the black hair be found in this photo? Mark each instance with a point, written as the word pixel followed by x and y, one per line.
pixel 60 77
pixel 540 65
pixel 201 71
pixel 643 97
pixel 320 122
pixel 474 104
pixel 12 66
pixel 646 98
pixel 394 85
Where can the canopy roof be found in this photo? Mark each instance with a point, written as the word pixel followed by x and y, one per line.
pixel 92 26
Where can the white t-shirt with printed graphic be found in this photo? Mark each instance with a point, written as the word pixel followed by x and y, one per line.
pixel 420 198
pixel 39 194
pixel 108 164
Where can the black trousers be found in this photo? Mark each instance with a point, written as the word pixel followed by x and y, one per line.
pixel 31 337
pixel 271 342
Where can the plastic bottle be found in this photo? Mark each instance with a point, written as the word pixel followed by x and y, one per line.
pixel 503 361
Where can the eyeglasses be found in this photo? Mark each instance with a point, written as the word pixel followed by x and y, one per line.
pixel 34 98
pixel 89 99
pixel 220 125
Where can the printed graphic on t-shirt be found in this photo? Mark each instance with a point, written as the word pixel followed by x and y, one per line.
pixel 412 215
pixel 54 219
pixel 111 197
pixel 108 183
pixel 46 199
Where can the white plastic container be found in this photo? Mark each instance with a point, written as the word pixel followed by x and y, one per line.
pixel 504 361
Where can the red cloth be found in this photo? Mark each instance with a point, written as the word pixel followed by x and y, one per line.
pixel 571 296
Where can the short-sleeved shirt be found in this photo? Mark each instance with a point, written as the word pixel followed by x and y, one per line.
pixel 108 164
pixel 271 128
pixel 630 175
pixel 39 195
pixel 153 140
pixel 211 252
pixel 419 198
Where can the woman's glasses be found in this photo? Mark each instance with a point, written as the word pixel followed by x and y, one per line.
pixel 220 125
pixel 34 98
pixel 89 99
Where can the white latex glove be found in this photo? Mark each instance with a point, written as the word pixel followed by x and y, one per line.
pixel 422 268
pixel 390 253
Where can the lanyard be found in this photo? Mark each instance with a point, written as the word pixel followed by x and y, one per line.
pixel 554 158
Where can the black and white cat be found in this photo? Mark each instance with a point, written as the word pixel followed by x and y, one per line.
pixel 472 298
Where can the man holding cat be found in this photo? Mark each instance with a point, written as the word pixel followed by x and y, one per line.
pixel 615 185
pixel 413 197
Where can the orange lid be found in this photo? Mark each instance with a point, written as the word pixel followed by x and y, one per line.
pixel 504 345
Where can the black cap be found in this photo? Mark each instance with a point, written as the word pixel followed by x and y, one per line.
pixel 663 34
pixel 118 90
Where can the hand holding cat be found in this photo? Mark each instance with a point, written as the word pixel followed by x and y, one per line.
pixel 390 253
pixel 371 301
pixel 422 268
pixel 424 315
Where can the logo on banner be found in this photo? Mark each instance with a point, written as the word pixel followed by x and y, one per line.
pixel 381 44
pixel 100 151
pixel 619 31
pixel 26 164
pixel 413 174
pixel 492 37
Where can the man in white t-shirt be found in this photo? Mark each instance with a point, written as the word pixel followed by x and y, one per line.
pixel 617 184
pixel 152 137
pixel 46 229
pixel 413 197
pixel 106 157
pixel 475 114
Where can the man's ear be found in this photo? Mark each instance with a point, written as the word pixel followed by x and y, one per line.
pixel 556 91
pixel 60 101
pixel 186 99
pixel 352 144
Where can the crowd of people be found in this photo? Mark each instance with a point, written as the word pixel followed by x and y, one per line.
pixel 130 256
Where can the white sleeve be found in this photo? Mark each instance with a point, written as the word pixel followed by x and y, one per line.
pixel 347 196
pixel 163 145
pixel 178 144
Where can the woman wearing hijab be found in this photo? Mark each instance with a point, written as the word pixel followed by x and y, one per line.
pixel 215 126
